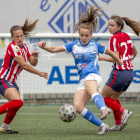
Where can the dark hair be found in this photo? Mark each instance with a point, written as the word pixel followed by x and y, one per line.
pixel 88 19
pixel 27 28
pixel 133 24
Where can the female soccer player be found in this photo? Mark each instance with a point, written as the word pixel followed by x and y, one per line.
pixel 15 60
pixel 85 53
pixel 121 76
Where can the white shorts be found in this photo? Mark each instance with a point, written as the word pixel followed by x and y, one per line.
pixel 91 76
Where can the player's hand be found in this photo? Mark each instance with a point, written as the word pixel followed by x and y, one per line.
pixel 120 62
pixel 34 53
pixel 41 44
pixel 44 74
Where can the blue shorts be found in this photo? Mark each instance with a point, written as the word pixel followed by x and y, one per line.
pixel 120 79
pixel 5 84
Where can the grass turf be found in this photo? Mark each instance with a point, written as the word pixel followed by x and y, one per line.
pixel 43 123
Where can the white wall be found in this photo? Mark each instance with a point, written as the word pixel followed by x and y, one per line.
pixel 14 12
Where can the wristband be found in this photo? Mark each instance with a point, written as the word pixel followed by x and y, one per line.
pixel 35 57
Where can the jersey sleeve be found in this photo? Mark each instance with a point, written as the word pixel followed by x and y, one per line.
pixel 68 47
pixel 14 50
pixel 101 48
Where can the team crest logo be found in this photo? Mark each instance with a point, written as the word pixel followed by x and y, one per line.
pixel 17 48
pixel 68 15
pixel 76 57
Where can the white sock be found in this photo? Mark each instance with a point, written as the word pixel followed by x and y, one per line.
pixel 102 108
pixel 83 112
pixel 102 124
pixel 6 125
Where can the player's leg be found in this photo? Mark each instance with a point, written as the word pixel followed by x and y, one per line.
pixel 81 97
pixel 107 93
pixel 117 117
pixel 114 90
pixel 93 84
pixel 12 95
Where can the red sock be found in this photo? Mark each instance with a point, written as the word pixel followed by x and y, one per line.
pixel 10 116
pixel 117 115
pixel 111 103
pixel 13 105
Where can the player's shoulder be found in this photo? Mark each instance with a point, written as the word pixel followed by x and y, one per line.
pixel 96 44
pixel 77 43
pixel 11 45
pixel 120 35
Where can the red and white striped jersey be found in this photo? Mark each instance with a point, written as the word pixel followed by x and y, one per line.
pixel 121 42
pixel 10 68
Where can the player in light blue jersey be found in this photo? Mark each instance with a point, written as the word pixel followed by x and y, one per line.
pixel 86 53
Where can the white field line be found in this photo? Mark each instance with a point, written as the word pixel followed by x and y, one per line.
pixel 93 106
pixel 57 114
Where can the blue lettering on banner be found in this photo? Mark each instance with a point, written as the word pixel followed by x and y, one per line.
pixel 68 74
pixel 136 76
pixel 44 5
pixel 58 78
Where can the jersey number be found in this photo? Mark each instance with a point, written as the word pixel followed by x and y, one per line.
pixel 126 49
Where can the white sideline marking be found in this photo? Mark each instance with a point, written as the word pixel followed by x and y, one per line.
pixel 57 114
pixel 49 106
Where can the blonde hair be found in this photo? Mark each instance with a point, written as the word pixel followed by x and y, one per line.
pixel 88 19
pixel 27 28
pixel 133 24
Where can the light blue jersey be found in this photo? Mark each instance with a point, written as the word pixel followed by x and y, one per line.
pixel 86 57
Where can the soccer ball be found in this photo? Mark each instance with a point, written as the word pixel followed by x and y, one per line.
pixel 67 113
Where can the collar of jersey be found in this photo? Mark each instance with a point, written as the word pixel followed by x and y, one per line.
pixel 21 46
pixel 84 45
pixel 18 45
pixel 117 32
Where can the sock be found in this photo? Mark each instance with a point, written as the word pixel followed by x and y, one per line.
pixel 12 105
pixel 111 103
pixel 88 115
pixel 10 116
pixel 117 115
pixel 5 125
pixel 102 124
pixel 99 100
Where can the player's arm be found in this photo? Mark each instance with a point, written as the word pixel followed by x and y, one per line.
pixel 20 60
pixel 134 52
pixel 114 57
pixel 33 59
pixel 108 59
pixel 51 49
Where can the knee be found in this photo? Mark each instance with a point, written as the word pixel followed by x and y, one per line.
pixel 18 103
pixel 79 108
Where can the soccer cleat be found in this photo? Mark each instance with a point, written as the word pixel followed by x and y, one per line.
pixel 115 128
pixel 103 129
pixel 125 116
pixel 104 113
pixel 6 130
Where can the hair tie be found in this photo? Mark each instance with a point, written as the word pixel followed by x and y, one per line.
pixel 116 21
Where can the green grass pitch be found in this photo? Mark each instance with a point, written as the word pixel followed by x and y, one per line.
pixel 43 123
